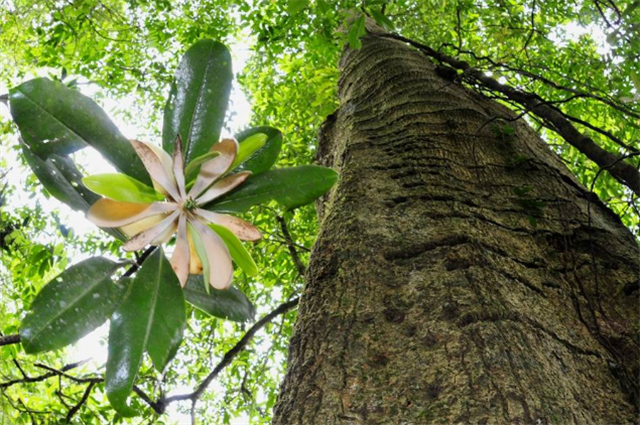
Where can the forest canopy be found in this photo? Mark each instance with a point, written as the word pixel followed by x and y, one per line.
pixel 568 68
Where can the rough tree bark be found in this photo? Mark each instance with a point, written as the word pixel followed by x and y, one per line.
pixel 462 273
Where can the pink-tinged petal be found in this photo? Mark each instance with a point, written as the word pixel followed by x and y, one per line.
pixel 223 186
pixel 195 265
pixel 159 169
pixel 109 213
pixel 178 167
pixel 139 226
pixel 218 256
pixel 181 255
pixel 215 167
pixel 153 234
pixel 242 229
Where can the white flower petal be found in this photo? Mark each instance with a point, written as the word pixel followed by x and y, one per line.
pixel 109 213
pixel 159 166
pixel 181 253
pixel 218 256
pixel 223 186
pixel 241 228
pixel 214 168
pixel 153 234
pixel 178 167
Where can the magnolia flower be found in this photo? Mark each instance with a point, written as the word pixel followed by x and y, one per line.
pixel 198 248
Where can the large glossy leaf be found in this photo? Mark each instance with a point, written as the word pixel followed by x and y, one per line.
pixel 151 318
pixel 71 305
pixel 229 304
pixel 264 158
pixel 198 99
pixel 121 187
pixel 290 187
pixel 66 187
pixel 237 250
pixel 53 118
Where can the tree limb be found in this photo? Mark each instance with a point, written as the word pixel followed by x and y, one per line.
pixel 9 339
pixel 622 171
pixel 82 401
pixel 292 250
pixel 229 356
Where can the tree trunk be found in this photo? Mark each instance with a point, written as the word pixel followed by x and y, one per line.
pixel 462 273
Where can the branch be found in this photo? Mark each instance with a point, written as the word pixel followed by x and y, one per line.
pixel 9 339
pixel 51 372
pixel 82 401
pixel 622 171
pixel 292 250
pixel 229 356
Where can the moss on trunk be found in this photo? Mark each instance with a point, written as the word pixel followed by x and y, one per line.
pixel 462 273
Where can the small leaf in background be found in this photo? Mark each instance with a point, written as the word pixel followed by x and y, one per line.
pixel 71 305
pixel 229 304
pixel 296 6
pixel 290 187
pixel 266 156
pixel 151 318
pixel 248 147
pixel 238 252
pixel 356 30
pixel 191 171
pixel 198 99
pixel 53 118
pixel 121 187
pixel 381 19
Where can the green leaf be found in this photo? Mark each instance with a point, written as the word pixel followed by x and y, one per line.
pixel 66 187
pixel 290 187
pixel 381 19
pixel 151 318
pixel 296 6
pixel 53 118
pixel 356 30
pixel 237 250
pixel 191 171
pixel 198 99
pixel 229 304
pixel 267 155
pixel 121 187
pixel 71 305
pixel 248 147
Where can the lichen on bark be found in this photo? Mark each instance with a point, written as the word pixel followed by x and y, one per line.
pixel 462 274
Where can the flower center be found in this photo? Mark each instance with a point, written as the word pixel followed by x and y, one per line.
pixel 189 204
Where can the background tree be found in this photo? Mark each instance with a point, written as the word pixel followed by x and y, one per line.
pixel 576 58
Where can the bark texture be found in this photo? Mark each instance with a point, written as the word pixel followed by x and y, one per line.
pixel 432 297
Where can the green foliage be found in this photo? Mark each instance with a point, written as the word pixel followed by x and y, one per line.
pixel 198 99
pixel 229 304
pixel 151 318
pixel 237 250
pixel 289 187
pixel 121 187
pixel 71 305
pixel 54 119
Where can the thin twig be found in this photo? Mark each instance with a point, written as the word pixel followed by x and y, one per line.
pixel 230 355
pixel 290 245
pixel 82 401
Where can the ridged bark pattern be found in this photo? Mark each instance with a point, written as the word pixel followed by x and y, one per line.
pixel 432 296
